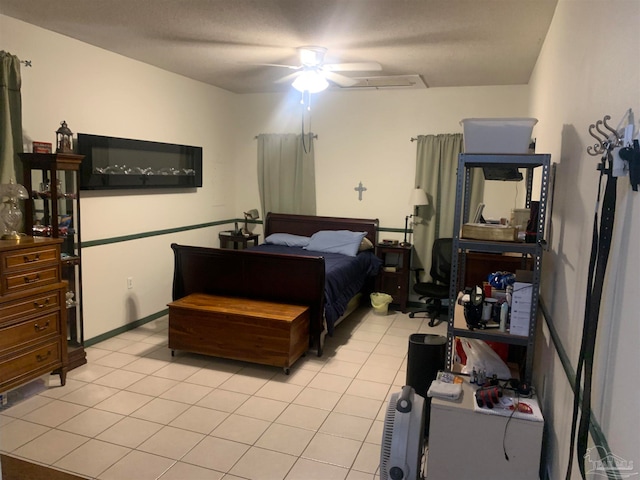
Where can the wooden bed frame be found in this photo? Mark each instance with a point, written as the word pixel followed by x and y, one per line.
pixel 266 276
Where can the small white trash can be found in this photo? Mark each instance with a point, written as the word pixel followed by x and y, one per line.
pixel 380 302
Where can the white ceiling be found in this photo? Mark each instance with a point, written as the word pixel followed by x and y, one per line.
pixel 219 42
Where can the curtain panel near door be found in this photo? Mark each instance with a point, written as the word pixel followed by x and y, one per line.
pixel 436 167
pixel 10 118
pixel 286 173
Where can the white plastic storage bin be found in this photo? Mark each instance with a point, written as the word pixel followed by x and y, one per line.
pixel 497 135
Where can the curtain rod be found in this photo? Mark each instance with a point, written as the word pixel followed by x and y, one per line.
pixel 314 136
pixel 26 63
pixel 413 139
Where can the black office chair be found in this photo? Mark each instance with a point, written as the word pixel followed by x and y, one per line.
pixel 438 289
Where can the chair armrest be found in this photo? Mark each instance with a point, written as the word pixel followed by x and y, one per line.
pixel 417 274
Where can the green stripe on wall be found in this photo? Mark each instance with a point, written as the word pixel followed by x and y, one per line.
pixel 155 233
pixel 168 231
pixel 125 328
pixel 596 432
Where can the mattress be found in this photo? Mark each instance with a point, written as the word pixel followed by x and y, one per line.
pixel 345 276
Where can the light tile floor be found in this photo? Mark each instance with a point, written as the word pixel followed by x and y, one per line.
pixel 135 412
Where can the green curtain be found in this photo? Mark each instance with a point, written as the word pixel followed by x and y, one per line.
pixel 10 118
pixel 436 166
pixel 286 173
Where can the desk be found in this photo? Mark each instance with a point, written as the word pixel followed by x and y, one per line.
pixel 464 444
pixel 237 241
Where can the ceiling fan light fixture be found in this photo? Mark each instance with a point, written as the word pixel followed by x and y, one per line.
pixel 311 56
pixel 310 81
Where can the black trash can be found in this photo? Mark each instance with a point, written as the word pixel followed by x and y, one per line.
pixel 427 354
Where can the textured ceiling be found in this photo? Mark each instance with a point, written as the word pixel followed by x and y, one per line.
pixel 219 42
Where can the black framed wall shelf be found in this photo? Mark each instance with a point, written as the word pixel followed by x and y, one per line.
pixel 113 163
pixel 54 211
pixel 530 252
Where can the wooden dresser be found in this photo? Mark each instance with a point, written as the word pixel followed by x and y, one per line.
pixel 33 326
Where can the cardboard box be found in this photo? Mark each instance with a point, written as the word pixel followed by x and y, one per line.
pixel 490 232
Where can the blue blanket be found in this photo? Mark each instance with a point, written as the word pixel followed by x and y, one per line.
pixel 344 276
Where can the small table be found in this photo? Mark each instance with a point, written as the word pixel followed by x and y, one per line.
pixel 394 276
pixel 237 241
pixel 520 439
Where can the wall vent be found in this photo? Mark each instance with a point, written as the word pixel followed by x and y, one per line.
pixel 390 81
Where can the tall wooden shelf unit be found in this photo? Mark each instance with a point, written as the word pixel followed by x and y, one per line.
pixel 52 179
pixel 530 251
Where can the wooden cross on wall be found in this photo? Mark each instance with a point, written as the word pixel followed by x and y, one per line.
pixel 360 188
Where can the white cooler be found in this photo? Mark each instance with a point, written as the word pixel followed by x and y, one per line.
pixel 497 135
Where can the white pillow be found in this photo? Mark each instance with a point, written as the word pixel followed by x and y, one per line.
pixel 287 239
pixel 345 242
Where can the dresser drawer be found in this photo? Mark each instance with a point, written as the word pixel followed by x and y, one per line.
pixel 20 334
pixel 30 306
pixel 43 358
pixel 30 258
pixel 20 281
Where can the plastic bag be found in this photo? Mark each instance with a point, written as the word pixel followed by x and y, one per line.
pixel 482 357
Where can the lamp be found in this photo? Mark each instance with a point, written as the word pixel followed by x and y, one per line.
pixel 64 139
pixel 418 197
pixel 10 214
pixel 252 214
pixel 310 80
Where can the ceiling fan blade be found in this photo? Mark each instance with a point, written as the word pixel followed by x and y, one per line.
pixel 340 80
pixel 292 67
pixel 288 78
pixel 353 67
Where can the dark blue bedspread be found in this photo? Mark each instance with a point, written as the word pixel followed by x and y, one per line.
pixel 344 276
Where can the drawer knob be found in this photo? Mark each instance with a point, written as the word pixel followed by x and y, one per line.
pixel 32 279
pixel 42 358
pixel 41 305
pixel 31 258
pixel 39 328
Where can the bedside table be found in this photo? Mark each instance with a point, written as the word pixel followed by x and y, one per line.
pixel 237 241
pixel 394 276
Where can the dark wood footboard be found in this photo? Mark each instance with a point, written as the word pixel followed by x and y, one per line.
pixel 289 279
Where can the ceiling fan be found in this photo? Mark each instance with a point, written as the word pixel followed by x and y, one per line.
pixel 313 75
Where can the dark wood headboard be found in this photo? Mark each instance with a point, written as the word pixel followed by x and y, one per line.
pixel 307 225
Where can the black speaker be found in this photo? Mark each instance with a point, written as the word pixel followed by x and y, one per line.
pixel 427 354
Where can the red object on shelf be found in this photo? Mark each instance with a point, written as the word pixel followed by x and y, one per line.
pixel 502 349
pixel 42 147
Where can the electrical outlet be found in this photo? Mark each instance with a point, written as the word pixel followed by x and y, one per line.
pixel 129 282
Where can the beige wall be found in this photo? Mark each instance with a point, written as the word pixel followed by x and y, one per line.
pixel 363 136
pixel 588 69
pixel 99 92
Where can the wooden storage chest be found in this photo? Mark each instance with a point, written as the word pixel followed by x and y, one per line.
pixel 256 331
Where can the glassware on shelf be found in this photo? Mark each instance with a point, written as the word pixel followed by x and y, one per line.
pixel 10 213
pixel 44 191
pixel 70 302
